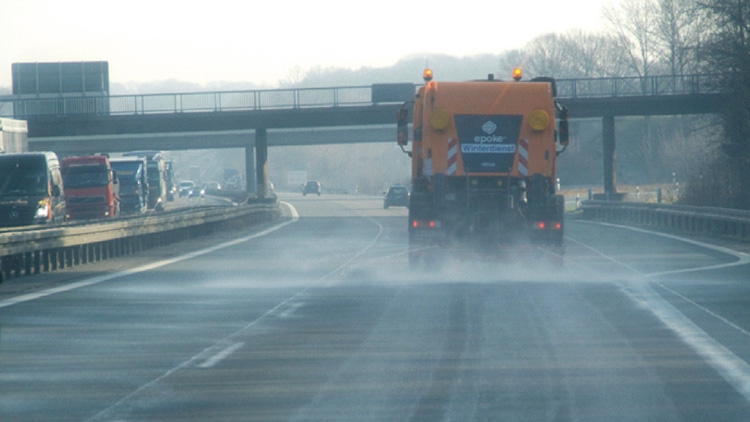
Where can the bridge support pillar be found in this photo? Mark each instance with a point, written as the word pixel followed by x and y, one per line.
pixel 250 169
pixel 610 165
pixel 261 162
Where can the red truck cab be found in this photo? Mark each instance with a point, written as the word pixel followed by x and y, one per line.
pixel 91 188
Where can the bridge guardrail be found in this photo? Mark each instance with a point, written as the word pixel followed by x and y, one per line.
pixel 47 249
pixel 639 86
pixel 295 98
pixel 703 221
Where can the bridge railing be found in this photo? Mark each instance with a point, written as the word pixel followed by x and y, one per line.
pixel 322 97
pixel 188 102
pixel 638 86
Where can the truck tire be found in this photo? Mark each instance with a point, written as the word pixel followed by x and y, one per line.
pixel 537 191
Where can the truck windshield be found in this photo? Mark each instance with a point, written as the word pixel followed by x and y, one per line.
pixel 85 177
pixel 128 174
pixel 23 176
pixel 154 176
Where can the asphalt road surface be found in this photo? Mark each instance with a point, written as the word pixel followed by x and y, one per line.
pixel 319 318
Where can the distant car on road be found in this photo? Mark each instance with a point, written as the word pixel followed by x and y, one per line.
pixel 396 196
pixel 196 190
pixel 209 187
pixel 312 186
pixel 184 188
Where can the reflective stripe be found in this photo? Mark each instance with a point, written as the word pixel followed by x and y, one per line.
pixel 523 157
pixel 452 155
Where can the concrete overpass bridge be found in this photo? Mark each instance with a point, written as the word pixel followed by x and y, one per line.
pixel 257 119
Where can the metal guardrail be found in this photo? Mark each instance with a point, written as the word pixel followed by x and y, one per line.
pixel 34 251
pixel 189 102
pixel 702 221
pixel 639 86
pixel 276 99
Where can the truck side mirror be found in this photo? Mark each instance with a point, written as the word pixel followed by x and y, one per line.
pixel 114 177
pixel 562 127
pixel 403 127
pixel 563 132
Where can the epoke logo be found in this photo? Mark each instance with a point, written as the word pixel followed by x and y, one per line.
pixel 489 128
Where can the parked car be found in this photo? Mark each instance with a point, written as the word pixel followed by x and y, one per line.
pixel 397 195
pixel 312 186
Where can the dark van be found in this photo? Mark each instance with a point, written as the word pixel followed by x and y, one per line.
pixel 31 189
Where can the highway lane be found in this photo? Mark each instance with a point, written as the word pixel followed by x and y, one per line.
pixel 321 319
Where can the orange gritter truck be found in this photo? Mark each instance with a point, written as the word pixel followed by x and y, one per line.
pixel 483 163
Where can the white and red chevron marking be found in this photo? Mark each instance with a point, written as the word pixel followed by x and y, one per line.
pixel 523 157
pixel 452 156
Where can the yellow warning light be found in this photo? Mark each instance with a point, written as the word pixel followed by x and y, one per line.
pixel 439 119
pixel 427 75
pixel 538 120
pixel 517 74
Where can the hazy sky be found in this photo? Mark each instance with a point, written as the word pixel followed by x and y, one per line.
pixel 264 41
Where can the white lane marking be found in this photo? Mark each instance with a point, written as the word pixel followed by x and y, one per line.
pixel 221 355
pixel 347 265
pixel 727 364
pixel 291 310
pixel 98 279
pixel 742 258
pixel 226 340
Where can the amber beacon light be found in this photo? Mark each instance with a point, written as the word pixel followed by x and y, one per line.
pixel 517 74
pixel 427 75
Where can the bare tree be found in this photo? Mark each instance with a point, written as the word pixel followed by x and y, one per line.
pixel 575 54
pixel 633 23
pixel 294 77
pixel 680 29
pixel 592 55
pixel 728 49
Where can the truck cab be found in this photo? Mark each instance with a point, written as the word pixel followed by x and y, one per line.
pixel 131 174
pixel 92 188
